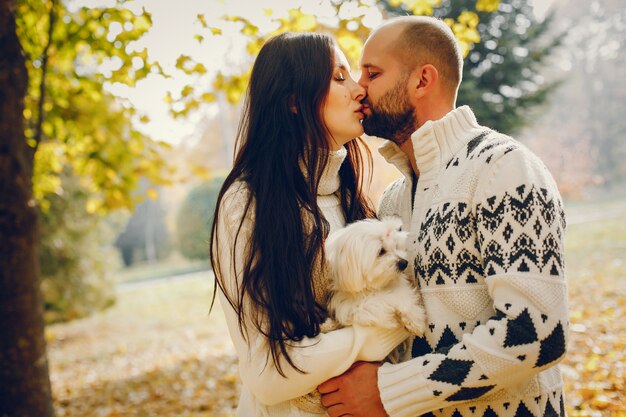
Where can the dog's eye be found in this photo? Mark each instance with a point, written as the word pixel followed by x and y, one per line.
pixel 382 251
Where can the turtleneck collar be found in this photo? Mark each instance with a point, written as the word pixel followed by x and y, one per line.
pixel 434 143
pixel 329 183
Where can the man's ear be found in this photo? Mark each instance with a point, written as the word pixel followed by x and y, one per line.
pixel 292 104
pixel 422 80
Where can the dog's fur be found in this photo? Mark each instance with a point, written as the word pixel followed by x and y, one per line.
pixel 370 287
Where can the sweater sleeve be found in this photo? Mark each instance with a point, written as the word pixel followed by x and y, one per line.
pixel 520 229
pixel 321 357
pixel 390 200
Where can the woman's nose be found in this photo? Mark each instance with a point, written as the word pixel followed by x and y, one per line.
pixel 358 92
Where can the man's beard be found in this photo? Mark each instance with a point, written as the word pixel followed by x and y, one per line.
pixel 393 118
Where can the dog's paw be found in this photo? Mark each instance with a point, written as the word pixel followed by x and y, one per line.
pixel 415 324
pixel 415 328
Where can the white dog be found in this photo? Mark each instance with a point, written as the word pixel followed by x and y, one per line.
pixel 369 284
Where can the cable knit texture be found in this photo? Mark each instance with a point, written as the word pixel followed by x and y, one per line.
pixel 265 392
pixel 487 226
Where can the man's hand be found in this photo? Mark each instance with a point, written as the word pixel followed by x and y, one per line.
pixel 355 393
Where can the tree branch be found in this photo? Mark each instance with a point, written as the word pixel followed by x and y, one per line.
pixel 44 71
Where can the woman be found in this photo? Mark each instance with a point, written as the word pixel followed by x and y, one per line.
pixel 296 177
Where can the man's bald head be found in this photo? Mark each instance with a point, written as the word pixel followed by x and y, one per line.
pixel 420 40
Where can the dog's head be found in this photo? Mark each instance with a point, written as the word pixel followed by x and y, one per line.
pixel 367 255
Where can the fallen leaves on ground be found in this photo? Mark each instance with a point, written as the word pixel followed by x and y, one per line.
pixel 157 353
pixel 167 359
pixel 594 369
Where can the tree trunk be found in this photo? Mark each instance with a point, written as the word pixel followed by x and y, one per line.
pixel 24 381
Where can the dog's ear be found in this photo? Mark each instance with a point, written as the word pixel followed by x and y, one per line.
pixel 345 258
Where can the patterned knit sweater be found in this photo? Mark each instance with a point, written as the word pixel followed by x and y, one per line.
pixel 266 393
pixel 487 227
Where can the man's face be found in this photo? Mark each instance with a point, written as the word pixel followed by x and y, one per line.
pixel 388 110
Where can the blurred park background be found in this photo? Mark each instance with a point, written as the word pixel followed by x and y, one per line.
pixel 130 115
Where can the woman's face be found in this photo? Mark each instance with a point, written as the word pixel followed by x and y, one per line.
pixel 342 110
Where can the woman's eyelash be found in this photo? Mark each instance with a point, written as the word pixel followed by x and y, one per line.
pixel 340 77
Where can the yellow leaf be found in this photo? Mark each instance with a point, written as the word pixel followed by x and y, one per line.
pixel 202 20
pixel 470 19
pixel 200 171
pixel 199 68
pixel 186 91
pixel 143 22
pixel 208 97
pixel 351 44
pixel 250 30
pixel 254 46
pixel 216 31
pixel 111 174
pixel 233 94
pixel 92 205
pixel 305 23
pixel 487 5
pixel 181 61
pixel 422 7
pixel 218 84
pixel 592 364
pixel 152 194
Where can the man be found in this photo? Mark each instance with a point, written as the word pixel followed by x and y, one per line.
pixel 486 224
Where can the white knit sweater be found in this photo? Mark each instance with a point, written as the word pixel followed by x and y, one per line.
pixel 265 392
pixel 487 229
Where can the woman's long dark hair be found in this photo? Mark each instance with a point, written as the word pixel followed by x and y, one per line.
pixel 281 130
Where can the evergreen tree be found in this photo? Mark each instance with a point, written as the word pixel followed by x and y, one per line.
pixel 502 80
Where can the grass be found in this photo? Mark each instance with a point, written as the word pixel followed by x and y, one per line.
pixel 174 265
pixel 597 247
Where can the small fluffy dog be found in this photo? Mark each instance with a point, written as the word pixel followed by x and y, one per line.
pixel 369 286
pixel 367 261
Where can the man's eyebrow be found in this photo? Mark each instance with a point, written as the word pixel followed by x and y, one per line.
pixel 368 65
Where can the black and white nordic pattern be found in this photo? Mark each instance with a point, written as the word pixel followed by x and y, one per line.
pixel 511 231
pixel 515 230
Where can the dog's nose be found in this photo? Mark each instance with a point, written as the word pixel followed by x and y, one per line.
pixel 402 264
